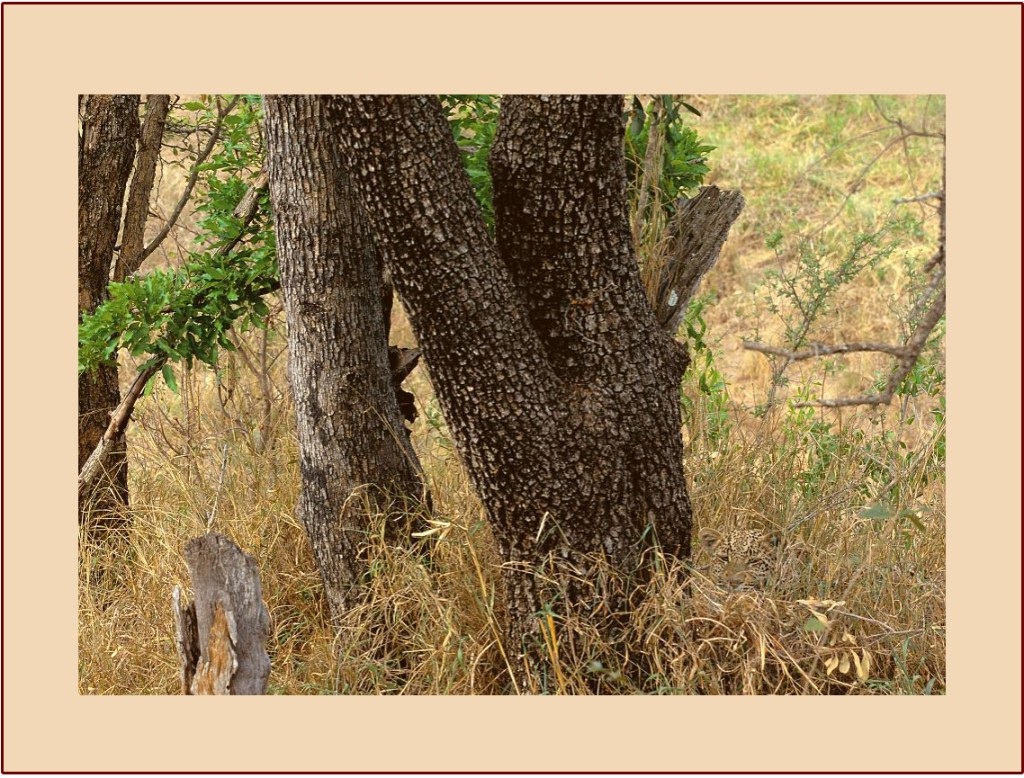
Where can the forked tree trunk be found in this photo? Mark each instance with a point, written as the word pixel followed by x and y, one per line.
pixel 355 455
pixel 105 154
pixel 560 389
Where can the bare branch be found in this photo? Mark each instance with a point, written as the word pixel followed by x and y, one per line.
pixel 115 430
pixel 868 399
pixel 917 342
pixel 858 181
pixel 906 355
pixel 822 349
pixel 920 198
pixel 911 351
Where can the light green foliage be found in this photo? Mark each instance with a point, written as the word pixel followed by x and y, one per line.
pixel 802 292
pixel 704 375
pixel 474 122
pixel 684 157
pixel 185 313
pixel 180 314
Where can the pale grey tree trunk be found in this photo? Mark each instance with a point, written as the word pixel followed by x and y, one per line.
pixel 355 455
pixel 222 635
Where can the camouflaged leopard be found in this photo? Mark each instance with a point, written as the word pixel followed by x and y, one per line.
pixel 741 560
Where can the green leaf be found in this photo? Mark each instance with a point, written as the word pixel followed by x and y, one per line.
pixel 169 379
pixel 690 108
pixel 813 625
pixel 876 511
pixel 913 518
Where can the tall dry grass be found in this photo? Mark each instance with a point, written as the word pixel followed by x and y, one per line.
pixel 856 602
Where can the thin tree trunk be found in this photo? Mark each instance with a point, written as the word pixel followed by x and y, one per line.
pixel 105 155
pixel 559 387
pixel 137 210
pixel 355 455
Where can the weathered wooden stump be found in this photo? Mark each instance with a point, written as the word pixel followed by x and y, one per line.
pixel 222 635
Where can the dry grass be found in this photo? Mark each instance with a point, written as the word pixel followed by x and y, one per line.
pixel 857 601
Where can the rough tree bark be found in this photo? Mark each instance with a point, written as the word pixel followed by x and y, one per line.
pixel 355 455
pixel 560 389
pixel 105 153
pixel 696 234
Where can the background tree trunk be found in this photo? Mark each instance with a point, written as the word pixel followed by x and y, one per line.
pixel 560 389
pixel 355 454
pixel 131 255
pixel 106 150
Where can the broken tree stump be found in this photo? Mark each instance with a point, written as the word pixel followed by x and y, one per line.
pixel 222 635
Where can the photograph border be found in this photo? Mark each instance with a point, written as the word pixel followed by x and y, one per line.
pixel 969 53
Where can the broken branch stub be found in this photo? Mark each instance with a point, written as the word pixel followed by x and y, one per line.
pixel 697 232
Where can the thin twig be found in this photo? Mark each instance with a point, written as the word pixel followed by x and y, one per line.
pixel 115 430
pixel 919 199
pixel 220 486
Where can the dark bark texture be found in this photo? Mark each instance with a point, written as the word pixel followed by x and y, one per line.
pixel 106 150
pixel 355 455
pixel 560 389
pixel 697 233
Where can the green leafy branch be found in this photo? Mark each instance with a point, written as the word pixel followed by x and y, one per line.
pixel 185 314
pixel 474 122
pixel 665 158
pixel 180 314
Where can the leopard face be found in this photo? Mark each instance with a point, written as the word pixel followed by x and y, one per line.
pixel 740 559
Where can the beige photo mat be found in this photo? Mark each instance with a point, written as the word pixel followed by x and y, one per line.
pixel 970 54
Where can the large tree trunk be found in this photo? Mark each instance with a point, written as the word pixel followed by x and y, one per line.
pixel 105 154
pixel 355 455
pixel 560 389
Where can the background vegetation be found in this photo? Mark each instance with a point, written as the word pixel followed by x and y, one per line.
pixel 820 254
